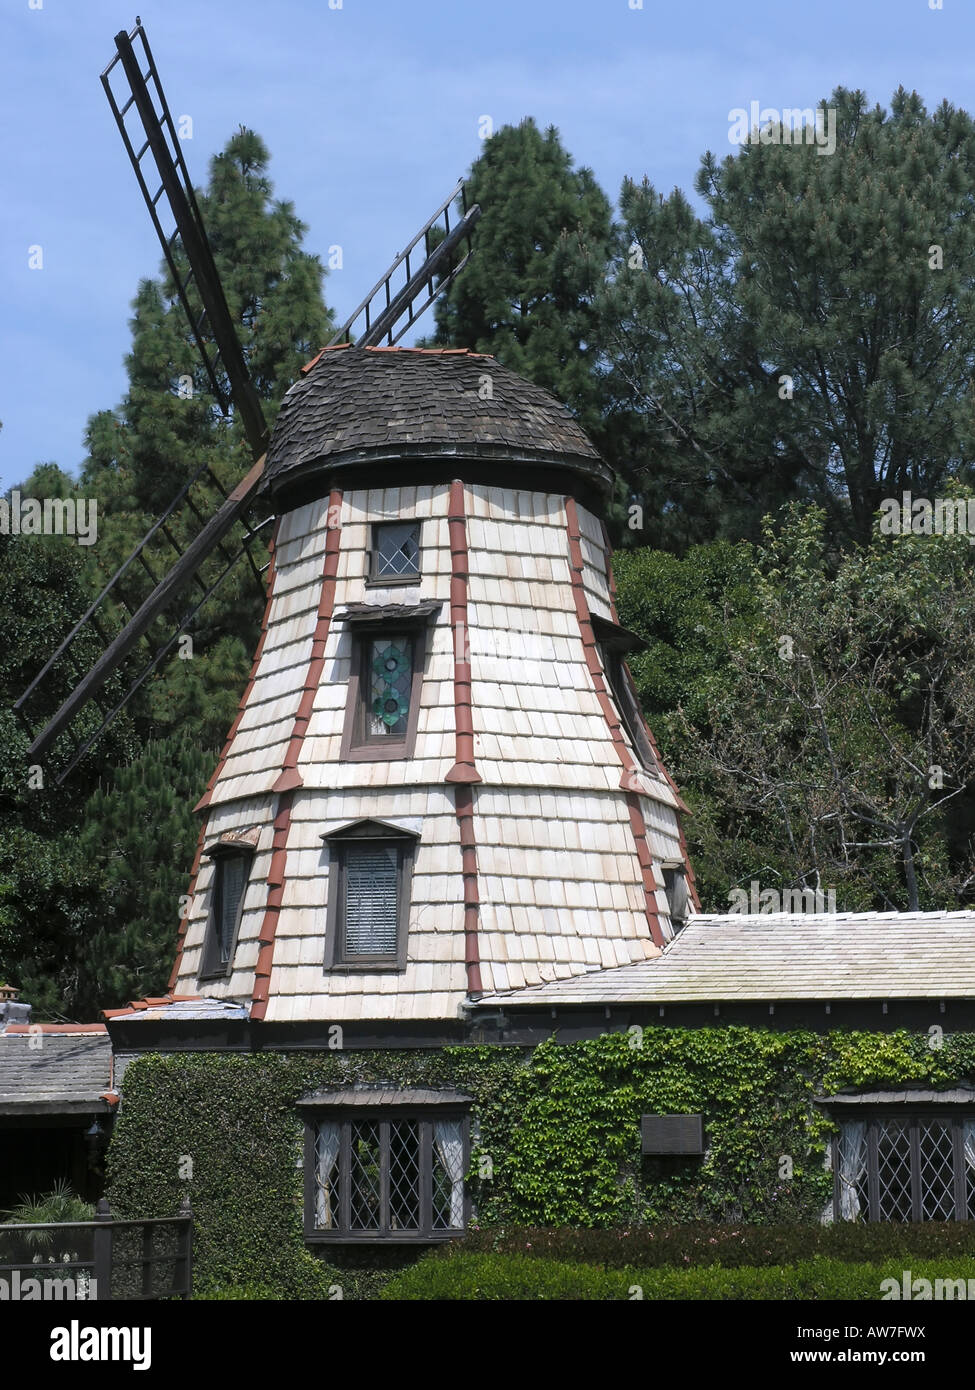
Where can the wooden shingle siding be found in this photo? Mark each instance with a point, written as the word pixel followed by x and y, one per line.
pixel 561 888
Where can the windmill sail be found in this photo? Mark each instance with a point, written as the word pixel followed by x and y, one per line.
pixel 138 103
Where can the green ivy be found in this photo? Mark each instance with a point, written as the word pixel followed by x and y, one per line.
pixel 557 1136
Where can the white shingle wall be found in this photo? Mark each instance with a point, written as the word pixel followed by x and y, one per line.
pixel 250 814
pixel 560 886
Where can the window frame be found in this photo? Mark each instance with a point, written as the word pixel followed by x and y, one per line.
pixel 347 1115
pixel 374 580
pixel 357 745
pixel 212 967
pixel 613 643
pixel 953 1115
pixel 337 959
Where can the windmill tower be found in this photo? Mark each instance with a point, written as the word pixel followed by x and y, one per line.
pixel 438 783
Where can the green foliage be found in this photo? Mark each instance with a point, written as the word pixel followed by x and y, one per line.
pixel 561 1127
pixel 91 872
pixel 503 1278
pixel 814 269
pixel 817 710
pixel 731 1246
pixel 58 1205
pixel 542 244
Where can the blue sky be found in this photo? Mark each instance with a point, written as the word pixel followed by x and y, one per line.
pixel 371 113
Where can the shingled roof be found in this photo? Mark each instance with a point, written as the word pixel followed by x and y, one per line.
pixel 50 1071
pixel 358 405
pixel 785 956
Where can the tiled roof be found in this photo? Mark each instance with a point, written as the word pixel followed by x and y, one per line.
pixel 360 404
pixel 380 1095
pixel 180 1006
pixel 784 956
pixel 68 1069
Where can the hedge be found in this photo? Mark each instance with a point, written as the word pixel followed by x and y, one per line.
pixel 731 1246
pixel 559 1139
pixel 519 1278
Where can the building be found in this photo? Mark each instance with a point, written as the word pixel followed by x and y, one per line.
pixel 439 819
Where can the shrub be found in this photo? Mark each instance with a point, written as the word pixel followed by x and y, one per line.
pixel 729 1245
pixel 496 1277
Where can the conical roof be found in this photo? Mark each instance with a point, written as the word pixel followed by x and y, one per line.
pixel 417 408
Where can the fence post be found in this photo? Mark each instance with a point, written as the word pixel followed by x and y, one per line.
pixel 186 1212
pixel 102 1254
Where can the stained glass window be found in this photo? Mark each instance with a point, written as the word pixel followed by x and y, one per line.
pixel 390 680
pixel 397 550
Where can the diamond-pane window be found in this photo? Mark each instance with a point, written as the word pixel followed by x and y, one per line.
pixel 396 550
pixel 404 1175
pixel 364 1177
pixel 395 1177
pixel 906 1167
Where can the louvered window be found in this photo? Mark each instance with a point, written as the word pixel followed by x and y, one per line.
pixel 231 881
pixel 371 898
pixel 370 867
pixel 231 870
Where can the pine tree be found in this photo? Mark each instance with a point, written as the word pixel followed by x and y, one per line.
pixel 168 424
pixel 812 337
pixel 541 246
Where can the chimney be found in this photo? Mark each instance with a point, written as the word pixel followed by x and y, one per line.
pixel 10 1010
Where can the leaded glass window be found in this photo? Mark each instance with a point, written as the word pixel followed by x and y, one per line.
pixel 396 1177
pixel 390 682
pixel 906 1167
pixel 396 550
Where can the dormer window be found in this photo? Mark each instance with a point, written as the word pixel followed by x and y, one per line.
pixel 613 643
pixel 231 870
pixel 370 869
pixel 395 555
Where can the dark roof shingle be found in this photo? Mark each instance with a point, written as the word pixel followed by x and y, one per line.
pixel 360 404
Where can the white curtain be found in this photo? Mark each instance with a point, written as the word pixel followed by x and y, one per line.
pixel 852 1166
pixel 968 1134
pixel 326 1170
pixel 448 1141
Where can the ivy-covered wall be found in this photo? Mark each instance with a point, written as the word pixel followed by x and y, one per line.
pixel 559 1133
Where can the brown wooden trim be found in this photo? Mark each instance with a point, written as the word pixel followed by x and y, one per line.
pixel 464 773
pixel 630 771
pixel 272 907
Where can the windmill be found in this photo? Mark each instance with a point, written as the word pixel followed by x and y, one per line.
pixel 229 530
